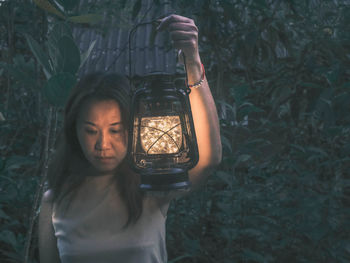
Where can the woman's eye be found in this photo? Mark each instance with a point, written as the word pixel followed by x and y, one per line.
pixel 115 131
pixel 90 131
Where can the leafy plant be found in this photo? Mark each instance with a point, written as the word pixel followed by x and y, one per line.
pixel 279 71
pixel 25 114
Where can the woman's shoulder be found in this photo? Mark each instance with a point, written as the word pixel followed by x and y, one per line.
pixel 48 196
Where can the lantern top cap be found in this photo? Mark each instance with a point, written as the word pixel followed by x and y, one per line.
pixel 157 81
pixel 159 75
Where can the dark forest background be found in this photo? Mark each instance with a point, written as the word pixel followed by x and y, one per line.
pixel 280 74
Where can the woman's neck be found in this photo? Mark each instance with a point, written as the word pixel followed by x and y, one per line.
pixel 100 180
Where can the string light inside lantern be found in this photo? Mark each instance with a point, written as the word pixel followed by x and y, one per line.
pixel 161 135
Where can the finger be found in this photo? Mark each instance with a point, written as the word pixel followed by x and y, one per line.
pixel 183 35
pixel 180 57
pixel 182 27
pixel 185 45
pixel 172 19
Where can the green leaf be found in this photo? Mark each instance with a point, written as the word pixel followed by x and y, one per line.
pixel 228 233
pixel 226 143
pixel 239 92
pixel 54 54
pixel 242 158
pixel 18 161
pixel 23 71
pixel 262 220
pixel 7 179
pixel 333 76
pixel 226 177
pixel 177 259
pixel 86 54
pixel 298 147
pixel 311 85
pixel 346 85
pixel 3 215
pixel 68 4
pixel 47 6
pixel 227 106
pixel 122 4
pixel 58 87
pixel 59 30
pixel 224 207
pixel 136 9
pixel 246 108
pixel 86 19
pixel 39 55
pixel 315 232
pixel 253 256
pixel 192 245
pixel 317 150
pixel 2 163
pixel 69 60
pixel 8 237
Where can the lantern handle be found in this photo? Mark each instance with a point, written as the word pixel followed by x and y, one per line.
pixel 132 31
pixel 188 90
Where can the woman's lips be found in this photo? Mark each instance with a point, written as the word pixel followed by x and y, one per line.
pixel 104 159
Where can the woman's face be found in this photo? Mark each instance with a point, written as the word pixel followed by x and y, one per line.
pixel 101 134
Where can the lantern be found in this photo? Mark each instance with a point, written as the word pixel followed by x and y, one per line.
pixel 162 140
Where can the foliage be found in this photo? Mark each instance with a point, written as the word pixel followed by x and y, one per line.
pixel 30 108
pixel 281 75
pixel 279 71
pixel 20 144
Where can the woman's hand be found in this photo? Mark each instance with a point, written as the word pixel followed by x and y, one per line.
pixel 184 34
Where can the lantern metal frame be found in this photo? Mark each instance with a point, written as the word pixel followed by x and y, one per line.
pixel 160 87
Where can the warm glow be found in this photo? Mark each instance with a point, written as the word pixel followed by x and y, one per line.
pixel 161 135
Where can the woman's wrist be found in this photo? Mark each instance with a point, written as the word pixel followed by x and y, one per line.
pixel 194 72
pixel 199 82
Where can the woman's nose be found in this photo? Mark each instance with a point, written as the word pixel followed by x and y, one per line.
pixel 102 142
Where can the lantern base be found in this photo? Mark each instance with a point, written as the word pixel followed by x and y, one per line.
pixel 175 179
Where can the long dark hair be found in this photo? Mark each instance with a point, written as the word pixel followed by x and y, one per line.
pixel 66 170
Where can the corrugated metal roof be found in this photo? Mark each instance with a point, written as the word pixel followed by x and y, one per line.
pixel 111 50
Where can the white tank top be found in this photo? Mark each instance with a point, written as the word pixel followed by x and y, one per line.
pixel 91 230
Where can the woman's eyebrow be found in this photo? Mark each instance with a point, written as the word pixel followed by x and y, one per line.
pixel 90 123
pixel 116 123
pixel 112 124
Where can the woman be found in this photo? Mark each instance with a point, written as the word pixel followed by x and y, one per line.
pixel 94 211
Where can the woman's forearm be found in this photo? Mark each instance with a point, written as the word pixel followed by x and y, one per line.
pixel 206 124
pixel 184 34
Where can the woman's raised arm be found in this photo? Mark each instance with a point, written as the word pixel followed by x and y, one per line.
pixel 184 34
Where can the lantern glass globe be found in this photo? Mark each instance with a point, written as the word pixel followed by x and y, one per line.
pixel 161 134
